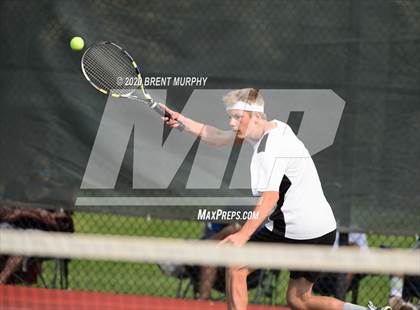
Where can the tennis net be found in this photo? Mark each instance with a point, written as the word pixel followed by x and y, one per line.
pixel 183 263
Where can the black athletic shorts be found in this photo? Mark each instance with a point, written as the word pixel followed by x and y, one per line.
pixel 264 235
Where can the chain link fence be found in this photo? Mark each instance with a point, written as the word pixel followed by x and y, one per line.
pixel 367 52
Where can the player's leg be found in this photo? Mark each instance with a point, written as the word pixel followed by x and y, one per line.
pixel 207 279
pixel 300 297
pixel 299 292
pixel 236 278
pixel 236 288
pixel 13 263
pixel 208 274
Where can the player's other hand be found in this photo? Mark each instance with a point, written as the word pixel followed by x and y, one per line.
pixel 236 239
pixel 173 118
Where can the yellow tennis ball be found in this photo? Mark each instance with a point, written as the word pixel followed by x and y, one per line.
pixel 77 43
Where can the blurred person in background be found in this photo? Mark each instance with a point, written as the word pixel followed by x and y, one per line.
pixel 402 287
pixel 33 202
pixel 12 217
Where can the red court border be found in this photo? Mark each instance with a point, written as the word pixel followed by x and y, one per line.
pixel 25 298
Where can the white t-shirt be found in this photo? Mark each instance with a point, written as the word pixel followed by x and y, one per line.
pixel 281 162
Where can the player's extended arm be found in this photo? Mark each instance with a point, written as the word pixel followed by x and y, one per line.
pixel 264 207
pixel 208 134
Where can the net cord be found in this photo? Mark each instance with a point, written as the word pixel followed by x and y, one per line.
pixel 199 252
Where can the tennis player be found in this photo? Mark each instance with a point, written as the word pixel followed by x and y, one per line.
pixel 292 206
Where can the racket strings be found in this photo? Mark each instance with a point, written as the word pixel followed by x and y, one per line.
pixel 108 68
pixel 106 72
pixel 103 77
pixel 97 74
pixel 121 60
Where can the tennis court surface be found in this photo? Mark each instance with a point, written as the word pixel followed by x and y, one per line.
pixel 25 298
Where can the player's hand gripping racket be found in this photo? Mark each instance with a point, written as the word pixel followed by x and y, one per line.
pixel 111 70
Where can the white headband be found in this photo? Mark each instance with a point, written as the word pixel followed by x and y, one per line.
pixel 240 105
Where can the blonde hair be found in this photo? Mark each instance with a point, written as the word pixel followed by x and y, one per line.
pixel 248 95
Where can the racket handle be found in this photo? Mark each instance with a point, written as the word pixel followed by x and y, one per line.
pixel 162 112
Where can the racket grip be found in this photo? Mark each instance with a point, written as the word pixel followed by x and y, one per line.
pixel 162 112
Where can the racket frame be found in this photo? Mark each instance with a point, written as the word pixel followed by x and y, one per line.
pixel 147 98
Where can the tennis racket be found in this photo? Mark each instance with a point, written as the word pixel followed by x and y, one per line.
pixel 112 71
